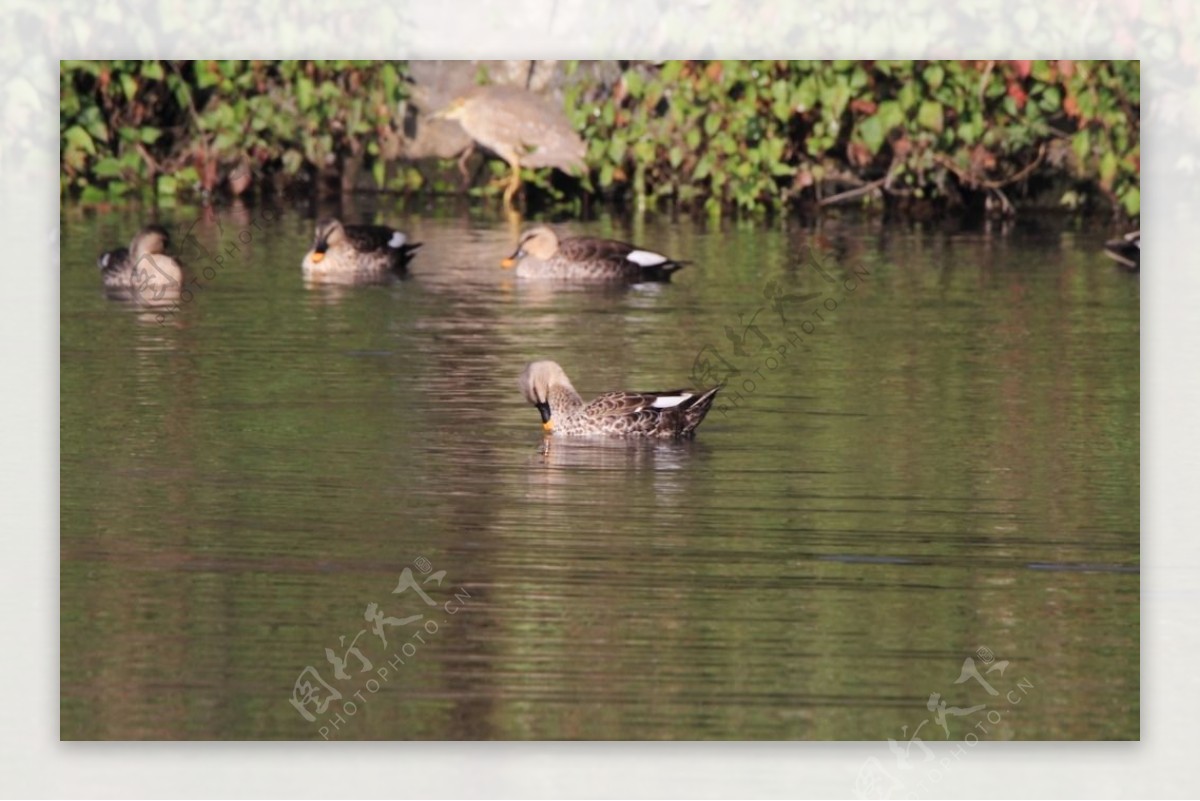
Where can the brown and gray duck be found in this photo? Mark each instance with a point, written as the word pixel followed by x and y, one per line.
pixel 144 268
pixel 541 254
pixel 666 414
pixel 351 254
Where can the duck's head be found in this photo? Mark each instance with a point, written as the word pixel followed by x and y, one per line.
pixel 539 242
pixel 330 233
pixel 536 382
pixel 150 240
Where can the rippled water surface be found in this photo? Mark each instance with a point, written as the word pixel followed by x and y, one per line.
pixel 923 480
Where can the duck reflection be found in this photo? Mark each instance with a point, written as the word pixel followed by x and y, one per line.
pixel 601 467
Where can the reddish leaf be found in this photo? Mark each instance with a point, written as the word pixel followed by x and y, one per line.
pixel 863 106
pixel 1018 94
pixel 858 154
pixel 1023 67
pixel 982 159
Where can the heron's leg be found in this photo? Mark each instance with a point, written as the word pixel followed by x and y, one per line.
pixel 462 166
pixel 514 183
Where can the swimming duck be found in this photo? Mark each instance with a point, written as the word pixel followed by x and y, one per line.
pixel 356 253
pixel 541 254
pixel 115 267
pixel 144 266
pixel 1126 251
pixel 673 413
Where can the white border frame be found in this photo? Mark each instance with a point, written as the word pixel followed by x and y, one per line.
pixel 34 763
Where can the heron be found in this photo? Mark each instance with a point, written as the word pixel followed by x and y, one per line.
pixel 520 127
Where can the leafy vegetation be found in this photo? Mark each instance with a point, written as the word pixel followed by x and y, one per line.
pixel 754 134
pixel 178 126
pixel 717 135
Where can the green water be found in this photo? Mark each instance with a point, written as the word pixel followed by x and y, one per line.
pixel 946 466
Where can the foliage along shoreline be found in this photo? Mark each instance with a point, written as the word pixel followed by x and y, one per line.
pixel 993 137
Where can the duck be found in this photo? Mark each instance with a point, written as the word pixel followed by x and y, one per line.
pixel 357 253
pixel 1126 251
pixel 670 414
pixel 144 267
pixel 541 254
pixel 115 267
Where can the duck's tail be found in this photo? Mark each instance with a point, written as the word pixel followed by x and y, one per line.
pixel 694 409
pixel 1126 251
pixel 401 255
pixel 664 271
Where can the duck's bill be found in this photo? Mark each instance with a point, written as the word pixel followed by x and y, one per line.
pixel 316 257
pixel 508 263
pixel 548 426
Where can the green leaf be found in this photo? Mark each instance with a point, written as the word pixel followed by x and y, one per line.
pixel 929 116
pixel 129 85
pixel 934 75
pixel 166 185
pixel 77 137
pixel 872 133
pixel 1081 145
pixel 834 98
pixel 1108 168
pixel 107 167
pixel 858 78
pixel 227 143
pixel 890 115
pixel 390 80
pixel 92 194
pixel 633 84
pixel 150 135
pixel 616 150
pixel 1132 201
pixel 1051 99
pixel 304 93
pixel 968 130
pixel 608 114
pixel 805 96
pixel 152 70
pixel 205 77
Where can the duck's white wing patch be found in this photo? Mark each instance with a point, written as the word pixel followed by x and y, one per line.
pixel 397 241
pixel 646 258
pixel 667 401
